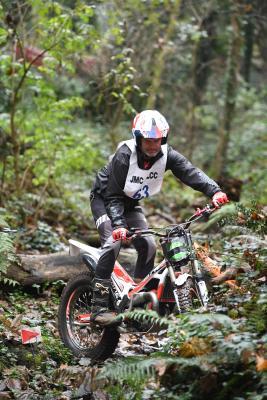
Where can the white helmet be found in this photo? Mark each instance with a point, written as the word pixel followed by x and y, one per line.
pixel 150 124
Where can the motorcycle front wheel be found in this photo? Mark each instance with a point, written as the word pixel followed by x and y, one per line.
pixel 84 339
pixel 188 297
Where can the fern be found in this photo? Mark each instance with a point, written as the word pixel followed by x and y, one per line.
pixel 7 257
pixel 3 223
pixel 146 316
pixel 137 369
pixel 183 327
pixel 207 342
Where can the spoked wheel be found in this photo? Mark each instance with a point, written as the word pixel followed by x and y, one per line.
pixel 83 338
pixel 188 297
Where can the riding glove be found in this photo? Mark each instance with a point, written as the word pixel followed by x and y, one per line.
pixel 120 234
pixel 219 199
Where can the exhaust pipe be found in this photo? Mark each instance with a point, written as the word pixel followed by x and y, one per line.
pixel 145 297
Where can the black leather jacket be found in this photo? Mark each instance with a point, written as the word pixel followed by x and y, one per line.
pixel 110 180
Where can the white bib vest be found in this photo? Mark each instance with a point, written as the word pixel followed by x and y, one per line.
pixel 142 183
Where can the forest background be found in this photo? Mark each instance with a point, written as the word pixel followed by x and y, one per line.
pixel 74 74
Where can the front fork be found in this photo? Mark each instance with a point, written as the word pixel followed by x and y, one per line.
pixel 175 291
pixel 201 284
pixel 198 275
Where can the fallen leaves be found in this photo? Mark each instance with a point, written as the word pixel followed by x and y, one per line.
pixel 195 347
pixel 261 363
pixel 12 326
pixel 160 367
pixel 213 268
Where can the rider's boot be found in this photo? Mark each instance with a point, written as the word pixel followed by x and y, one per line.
pixel 100 302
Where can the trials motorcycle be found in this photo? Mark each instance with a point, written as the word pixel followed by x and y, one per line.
pixel 176 285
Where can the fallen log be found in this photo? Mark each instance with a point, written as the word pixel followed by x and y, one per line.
pixel 41 268
pixel 37 269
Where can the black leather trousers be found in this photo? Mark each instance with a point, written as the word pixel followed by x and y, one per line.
pixel 145 246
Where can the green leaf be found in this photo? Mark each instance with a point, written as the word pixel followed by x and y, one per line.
pixel 3 36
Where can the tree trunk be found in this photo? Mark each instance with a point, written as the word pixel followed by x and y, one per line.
pixel 38 269
pixel 161 57
pixel 249 41
pixel 261 32
pixel 202 56
pixel 14 134
pixel 220 159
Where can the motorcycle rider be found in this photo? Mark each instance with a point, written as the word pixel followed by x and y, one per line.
pixel 135 172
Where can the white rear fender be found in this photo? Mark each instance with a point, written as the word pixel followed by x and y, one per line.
pixel 182 278
pixel 76 248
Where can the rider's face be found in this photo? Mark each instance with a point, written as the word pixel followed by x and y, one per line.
pixel 150 147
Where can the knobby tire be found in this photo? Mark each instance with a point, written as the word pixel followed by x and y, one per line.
pixel 186 296
pixel 77 295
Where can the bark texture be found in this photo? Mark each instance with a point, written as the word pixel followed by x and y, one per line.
pixel 38 269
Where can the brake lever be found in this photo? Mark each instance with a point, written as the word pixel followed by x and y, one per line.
pixel 209 209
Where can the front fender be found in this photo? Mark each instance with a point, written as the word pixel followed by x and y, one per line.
pixel 182 278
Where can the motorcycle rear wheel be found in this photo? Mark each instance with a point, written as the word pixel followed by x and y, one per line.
pixel 83 339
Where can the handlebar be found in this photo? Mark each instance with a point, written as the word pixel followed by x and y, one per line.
pixel 207 210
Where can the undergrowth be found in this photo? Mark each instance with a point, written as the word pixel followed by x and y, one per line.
pixel 7 257
pixel 206 355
